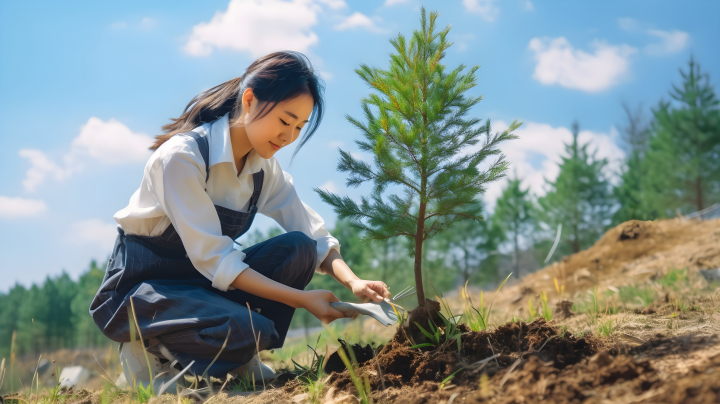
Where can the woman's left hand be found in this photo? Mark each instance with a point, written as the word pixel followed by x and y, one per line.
pixel 370 290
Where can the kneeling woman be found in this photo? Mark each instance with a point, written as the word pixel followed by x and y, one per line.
pixel 174 257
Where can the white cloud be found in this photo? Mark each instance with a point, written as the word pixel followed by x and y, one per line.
pixel 41 166
pixel 462 41
pixel 536 154
pixel 94 232
pixel 672 42
pixel 15 208
pixel 358 20
pixel 112 142
pixel 485 8
pixel 109 142
pixel 528 6
pixel 329 186
pixel 119 25
pixel 148 23
pixel 258 27
pixel 629 24
pixel 145 23
pixel 333 4
pixel 559 63
pixel 334 144
pixel 389 3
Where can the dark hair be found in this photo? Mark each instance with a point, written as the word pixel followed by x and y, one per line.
pixel 274 78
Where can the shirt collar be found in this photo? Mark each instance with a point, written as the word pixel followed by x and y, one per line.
pixel 221 147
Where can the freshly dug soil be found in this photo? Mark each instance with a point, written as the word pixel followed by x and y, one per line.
pixel 423 315
pixel 398 365
pixel 362 354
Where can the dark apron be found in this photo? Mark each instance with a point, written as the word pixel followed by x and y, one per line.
pixel 178 308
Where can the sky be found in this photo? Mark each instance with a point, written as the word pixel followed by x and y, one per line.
pixel 85 85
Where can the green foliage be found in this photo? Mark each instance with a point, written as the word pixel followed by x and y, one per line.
pixel 606 328
pixel 629 191
pixel 476 319
pixel 546 310
pixel 312 372
pixel 416 127
pixel 244 383
pixel 674 278
pixel 144 394
pixel 681 163
pixel 52 315
pixel 636 294
pixel 472 248
pixel 447 379
pixel 580 198
pixel 532 311
pixel 515 214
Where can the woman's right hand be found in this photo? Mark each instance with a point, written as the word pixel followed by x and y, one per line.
pixel 317 302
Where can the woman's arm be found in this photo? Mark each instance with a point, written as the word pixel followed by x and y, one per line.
pixel 341 272
pixel 316 302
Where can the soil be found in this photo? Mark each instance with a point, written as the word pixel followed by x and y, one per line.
pixel 423 315
pixel 399 365
pixel 361 354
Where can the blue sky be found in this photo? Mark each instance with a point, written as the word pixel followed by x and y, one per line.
pixel 85 85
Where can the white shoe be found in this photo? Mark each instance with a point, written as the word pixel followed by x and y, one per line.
pixel 256 368
pixel 135 366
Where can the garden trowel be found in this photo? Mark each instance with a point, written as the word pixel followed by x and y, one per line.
pixel 386 312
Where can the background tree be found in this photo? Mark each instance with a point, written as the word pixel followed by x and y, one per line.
pixel 514 214
pixel 682 163
pixel 87 334
pixel 473 247
pixel 579 198
pixel 629 192
pixel 415 126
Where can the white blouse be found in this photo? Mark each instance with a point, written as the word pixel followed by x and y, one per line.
pixel 173 191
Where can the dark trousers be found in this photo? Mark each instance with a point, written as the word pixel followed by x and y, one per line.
pixel 192 319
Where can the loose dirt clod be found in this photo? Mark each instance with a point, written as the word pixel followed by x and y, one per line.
pixel 562 310
pixel 361 354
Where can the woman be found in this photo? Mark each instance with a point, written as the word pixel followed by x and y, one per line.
pixel 174 265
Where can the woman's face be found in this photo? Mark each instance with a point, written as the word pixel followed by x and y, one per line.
pixel 280 127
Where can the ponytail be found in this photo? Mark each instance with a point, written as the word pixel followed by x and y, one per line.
pixel 274 78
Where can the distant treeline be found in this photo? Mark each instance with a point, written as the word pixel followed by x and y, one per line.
pixel 672 166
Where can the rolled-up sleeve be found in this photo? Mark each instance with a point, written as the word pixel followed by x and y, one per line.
pixel 292 214
pixel 178 180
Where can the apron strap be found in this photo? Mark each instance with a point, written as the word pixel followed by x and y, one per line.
pixel 204 147
pixel 258 183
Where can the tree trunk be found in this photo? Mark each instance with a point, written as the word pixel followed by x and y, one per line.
pixel 517 256
pixel 699 193
pixel 467 265
pixel 418 255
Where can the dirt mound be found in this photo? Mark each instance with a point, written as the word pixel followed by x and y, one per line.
pixel 399 365
pixel 700 385
pixel 631 252
pixel 538 381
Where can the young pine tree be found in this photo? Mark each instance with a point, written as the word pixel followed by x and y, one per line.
pixel 415 124
pixel 580 198
pixel 683 159
pixel 514 213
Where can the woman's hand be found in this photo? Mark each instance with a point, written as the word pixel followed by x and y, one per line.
pixel 317 302
pixel 369 290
